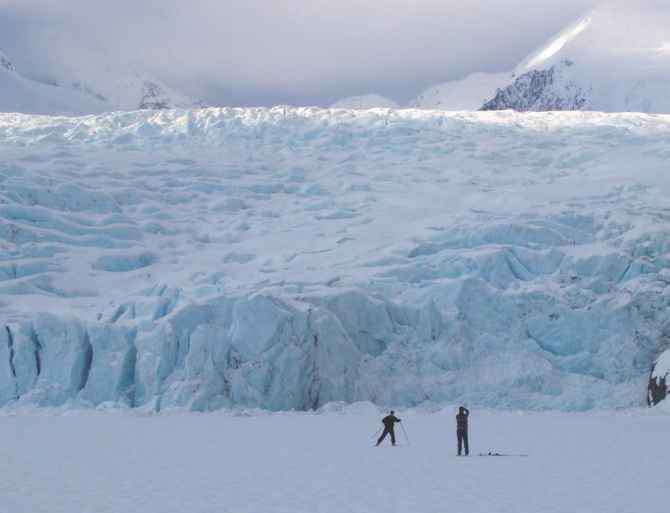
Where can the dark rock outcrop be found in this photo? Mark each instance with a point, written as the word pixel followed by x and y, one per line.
pixel 541 90
pixel 154 97
pixel 659 388
pixel 5 63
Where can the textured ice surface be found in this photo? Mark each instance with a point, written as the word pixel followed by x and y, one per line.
pixel 285 258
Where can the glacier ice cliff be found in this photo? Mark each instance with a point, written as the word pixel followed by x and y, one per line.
pixel 286 258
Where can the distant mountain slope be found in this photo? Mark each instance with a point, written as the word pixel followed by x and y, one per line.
pixel 615 59
pixel 467 94
pixel 127 90
pixel 19 94
pixel 366 101
pixel 87 91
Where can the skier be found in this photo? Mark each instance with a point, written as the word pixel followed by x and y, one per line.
pixel 389 423
pixel 462 429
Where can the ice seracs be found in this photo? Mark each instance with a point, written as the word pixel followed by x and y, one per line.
pixel 286 258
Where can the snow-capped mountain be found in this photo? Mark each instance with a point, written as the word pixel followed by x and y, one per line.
pixel 616 59
pixel 92 90
pixel 126 90
pixel 21 94
pixel 366 101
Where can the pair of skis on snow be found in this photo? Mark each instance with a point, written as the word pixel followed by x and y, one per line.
pixel 499 454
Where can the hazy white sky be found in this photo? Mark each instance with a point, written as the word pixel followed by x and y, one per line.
pixel 261 52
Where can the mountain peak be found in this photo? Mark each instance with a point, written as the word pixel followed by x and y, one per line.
pixel 615 59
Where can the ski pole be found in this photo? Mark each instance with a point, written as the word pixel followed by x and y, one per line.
pixel 377 433
pixel 405 433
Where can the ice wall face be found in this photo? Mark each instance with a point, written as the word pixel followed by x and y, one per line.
pixel 286 258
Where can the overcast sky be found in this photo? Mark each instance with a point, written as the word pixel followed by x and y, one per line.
pixel 264 52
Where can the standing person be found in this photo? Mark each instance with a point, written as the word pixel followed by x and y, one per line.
pixel 389 424
pixel 462 429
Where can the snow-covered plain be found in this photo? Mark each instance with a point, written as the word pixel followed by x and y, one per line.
pixel 286 258
pixel 236 462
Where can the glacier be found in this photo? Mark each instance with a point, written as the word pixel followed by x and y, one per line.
pixel 286 258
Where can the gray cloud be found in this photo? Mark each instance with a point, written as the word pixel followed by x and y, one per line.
pixel 263 52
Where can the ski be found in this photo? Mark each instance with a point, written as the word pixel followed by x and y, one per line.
pixel 498 454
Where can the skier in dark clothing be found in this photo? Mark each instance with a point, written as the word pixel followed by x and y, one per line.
pixel 389 424
pixel 462 429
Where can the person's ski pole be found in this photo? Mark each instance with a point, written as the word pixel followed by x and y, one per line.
pixel 405 433
pixel 377 433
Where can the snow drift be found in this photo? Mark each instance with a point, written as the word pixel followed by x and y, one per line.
pixel 284 258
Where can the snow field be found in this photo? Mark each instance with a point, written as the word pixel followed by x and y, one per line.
pixel 123 462
pixel 286 258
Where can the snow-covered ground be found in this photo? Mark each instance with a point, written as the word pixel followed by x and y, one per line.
pixel 285 258
pixel 122 462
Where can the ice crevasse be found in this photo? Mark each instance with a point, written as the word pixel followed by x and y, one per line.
pixel 286 258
